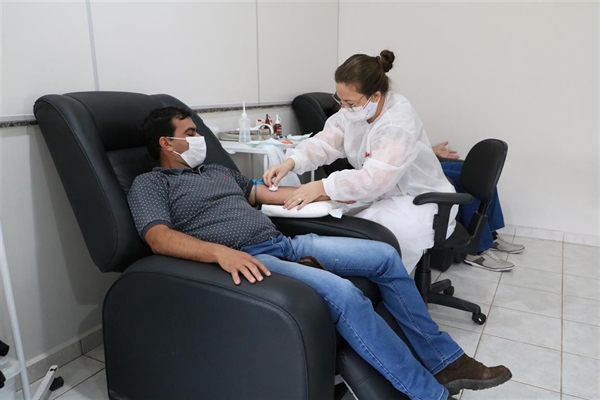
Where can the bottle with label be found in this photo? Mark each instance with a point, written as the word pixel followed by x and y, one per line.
pixel 277 126
pixel 244 123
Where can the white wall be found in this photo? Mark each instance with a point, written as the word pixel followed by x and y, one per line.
pixel 205 53
pixel 46 49
pixel 526 73
pixel 523 72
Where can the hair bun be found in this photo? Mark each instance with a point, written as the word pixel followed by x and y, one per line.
pixel 386 60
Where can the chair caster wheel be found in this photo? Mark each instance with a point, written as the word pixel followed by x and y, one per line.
pixel 57 383
pixel 479 319
pixel 449 291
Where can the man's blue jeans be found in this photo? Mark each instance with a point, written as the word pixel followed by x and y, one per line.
pixel 353 314
pixel 495 221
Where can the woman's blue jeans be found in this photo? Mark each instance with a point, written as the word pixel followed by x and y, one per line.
pixel 466 211
pixel 353 314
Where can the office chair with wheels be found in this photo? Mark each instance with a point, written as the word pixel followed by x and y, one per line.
pixel 178 329
pixel 480 175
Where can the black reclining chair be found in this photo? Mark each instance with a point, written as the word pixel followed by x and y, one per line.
pixel 479 176
pixel 177 329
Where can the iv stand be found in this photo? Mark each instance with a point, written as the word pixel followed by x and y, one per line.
pixel 43 391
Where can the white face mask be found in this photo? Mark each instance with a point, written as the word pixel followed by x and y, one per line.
pixel 196 153
pixel 360 113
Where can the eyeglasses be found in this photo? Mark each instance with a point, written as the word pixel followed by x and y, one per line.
pixel 343 103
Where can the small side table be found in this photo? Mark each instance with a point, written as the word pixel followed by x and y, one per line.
pixel 236 147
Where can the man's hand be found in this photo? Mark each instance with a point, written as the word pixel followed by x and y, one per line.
pixel 442 151
pixel 236 262
pixel 304 195
pixel 273 175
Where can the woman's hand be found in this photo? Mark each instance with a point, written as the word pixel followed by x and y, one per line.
pixel 442 151
pixel 273 175
pixel 305 194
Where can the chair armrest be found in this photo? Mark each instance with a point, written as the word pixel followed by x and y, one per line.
pixel 187 325
pixel 443 198
pixel 346 226
pixel 445 202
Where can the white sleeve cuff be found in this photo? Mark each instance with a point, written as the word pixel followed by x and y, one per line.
pixel 296 163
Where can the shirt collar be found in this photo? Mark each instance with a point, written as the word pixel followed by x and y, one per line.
pixel 177 171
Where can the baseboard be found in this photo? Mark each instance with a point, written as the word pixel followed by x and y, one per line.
pixel 63 354
pixel 547 234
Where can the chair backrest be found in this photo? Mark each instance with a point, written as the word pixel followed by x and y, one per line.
pixel 479 176
pixel 312 110
pixel 95 143
pixel 482 168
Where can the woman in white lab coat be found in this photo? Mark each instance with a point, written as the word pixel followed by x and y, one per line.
pixel 381 135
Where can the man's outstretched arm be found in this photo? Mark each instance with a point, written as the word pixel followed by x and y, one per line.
pixel 166 241
pixel 265 196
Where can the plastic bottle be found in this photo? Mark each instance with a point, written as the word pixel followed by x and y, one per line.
pixel 277 127
pixel 244 126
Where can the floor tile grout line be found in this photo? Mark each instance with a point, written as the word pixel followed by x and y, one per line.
pixel 95 359
pixel 525 287
pixel 489 313
pixel 529 344
pixel 539 269
pixel 529 312
pixel 582 323
pixel 577 297
pixel 530 288
pixel 581 276
pixel 85 380
pixel 582 355
pixel 537 387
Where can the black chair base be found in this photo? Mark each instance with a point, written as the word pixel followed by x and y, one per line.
pixel 441 293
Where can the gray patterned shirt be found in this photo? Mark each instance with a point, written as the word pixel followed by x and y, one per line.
pixel 209 203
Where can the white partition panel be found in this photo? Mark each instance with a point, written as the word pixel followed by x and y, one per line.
pixel 297 47
pixel 203 53
pixel 526 73
pixel 45 49
pixel 58 289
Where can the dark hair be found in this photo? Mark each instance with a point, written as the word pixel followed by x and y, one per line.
pixel 159 123
pixel 366 73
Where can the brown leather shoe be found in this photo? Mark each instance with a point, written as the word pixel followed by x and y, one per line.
pixel 468 373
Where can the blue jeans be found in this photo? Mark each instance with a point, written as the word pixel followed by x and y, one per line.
pixel 353 314
pixel 466 211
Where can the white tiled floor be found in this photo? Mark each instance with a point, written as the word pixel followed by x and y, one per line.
pixel 543 323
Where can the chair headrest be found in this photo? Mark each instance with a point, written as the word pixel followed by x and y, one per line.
pixel 312 110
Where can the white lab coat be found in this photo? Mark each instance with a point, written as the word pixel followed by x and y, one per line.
pixel 393 163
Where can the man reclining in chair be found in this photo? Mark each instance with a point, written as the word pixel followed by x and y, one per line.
pixel 205 213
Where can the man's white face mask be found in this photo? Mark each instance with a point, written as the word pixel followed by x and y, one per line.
pixel 363 113
pixel 196 153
